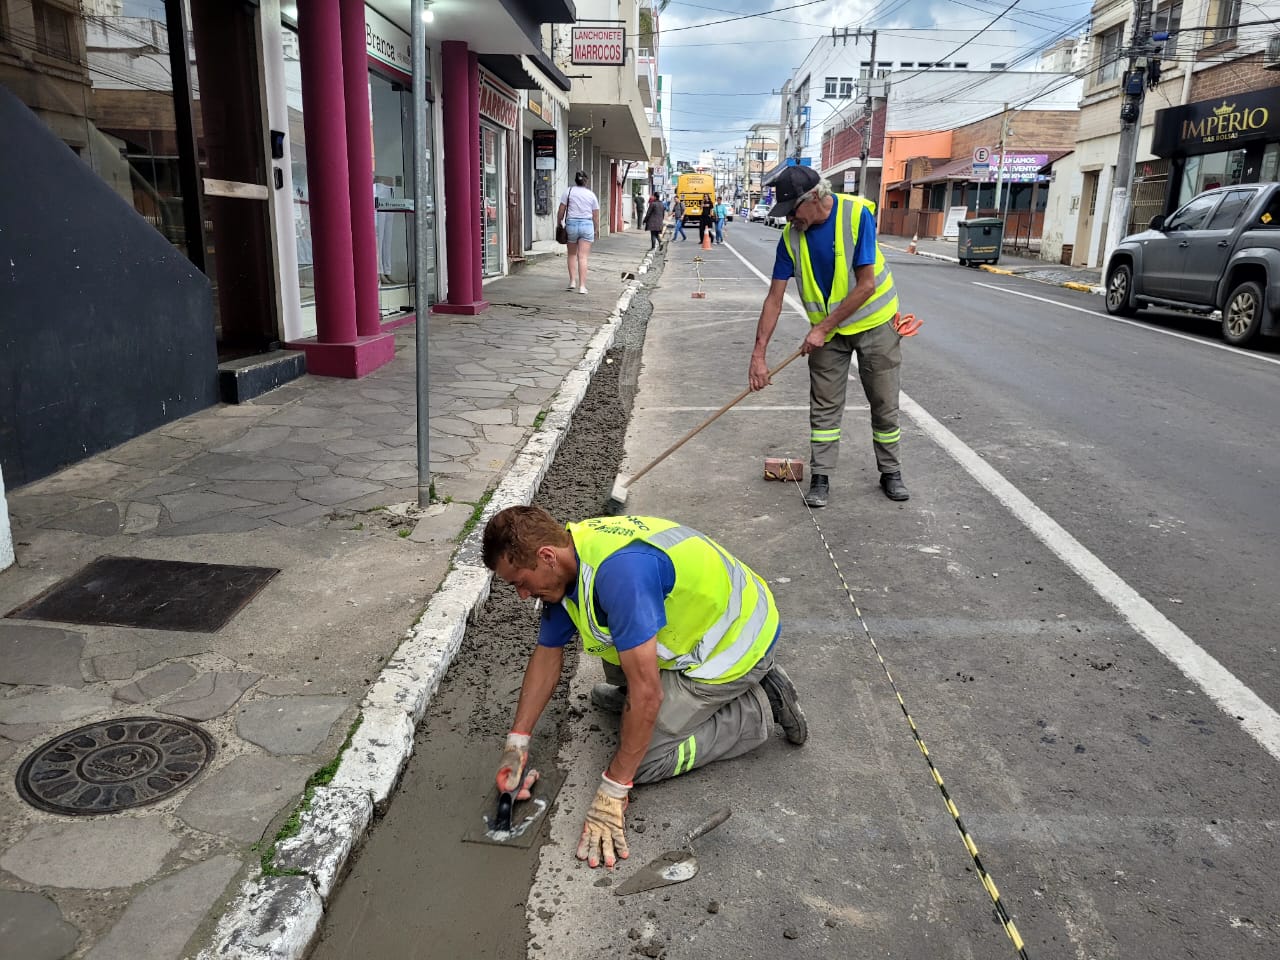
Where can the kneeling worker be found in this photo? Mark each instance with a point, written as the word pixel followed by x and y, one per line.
pixel 687 635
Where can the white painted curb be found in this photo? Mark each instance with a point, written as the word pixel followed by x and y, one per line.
pixel 279 917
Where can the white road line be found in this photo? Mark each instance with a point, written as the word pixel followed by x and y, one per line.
pixel 1236 699
pixel 1133 323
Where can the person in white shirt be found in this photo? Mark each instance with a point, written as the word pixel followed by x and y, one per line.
pixel 579 214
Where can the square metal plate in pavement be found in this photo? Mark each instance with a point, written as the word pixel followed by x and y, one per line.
pixel 153 594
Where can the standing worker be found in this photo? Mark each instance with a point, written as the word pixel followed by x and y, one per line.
pixel 687 634
pixel 849 297
pixel 720 213
pixel 677 229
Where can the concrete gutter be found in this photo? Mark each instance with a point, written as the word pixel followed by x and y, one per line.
pixel 1068 284
pixel 277 915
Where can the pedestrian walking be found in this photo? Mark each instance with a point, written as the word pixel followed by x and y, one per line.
pixel 720 212
pixel 705 220
pixel 687 634
pixel 579 214
pixel 677 232
pixel 653 221
pixel 829 247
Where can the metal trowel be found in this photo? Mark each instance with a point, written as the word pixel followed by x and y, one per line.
pixel 674 866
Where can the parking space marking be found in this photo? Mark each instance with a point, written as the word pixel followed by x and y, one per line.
pixel 1133 323
pixel 1234 697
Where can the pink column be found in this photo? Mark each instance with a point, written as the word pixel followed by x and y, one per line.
pixel 323 118
pixel 461 179
pixel 477 174
pixel 355 84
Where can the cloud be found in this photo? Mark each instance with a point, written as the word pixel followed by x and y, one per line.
pixel 723 75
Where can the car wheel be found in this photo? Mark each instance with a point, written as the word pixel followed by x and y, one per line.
pixel 1119 286
pixel 964 262
pixel 1242 315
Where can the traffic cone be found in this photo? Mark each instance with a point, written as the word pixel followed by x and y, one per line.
pixel 706 239
pixel 911 247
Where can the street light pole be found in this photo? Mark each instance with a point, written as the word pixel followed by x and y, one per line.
pixel 867 118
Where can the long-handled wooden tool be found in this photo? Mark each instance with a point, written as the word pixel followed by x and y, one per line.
pixel 618 497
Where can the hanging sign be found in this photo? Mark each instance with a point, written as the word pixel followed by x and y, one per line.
pixel 599 46
pixel 498 103
pixel 544 149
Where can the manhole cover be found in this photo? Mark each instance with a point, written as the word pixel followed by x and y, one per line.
pixel 114 765
pixel 153 594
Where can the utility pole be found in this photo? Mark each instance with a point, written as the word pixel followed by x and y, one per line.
pixel 867 115
pixel 1004 134
pixel 1133 88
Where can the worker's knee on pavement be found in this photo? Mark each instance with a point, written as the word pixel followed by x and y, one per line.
pixel 736 728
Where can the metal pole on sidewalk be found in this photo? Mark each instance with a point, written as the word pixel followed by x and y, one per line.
pixel 421 230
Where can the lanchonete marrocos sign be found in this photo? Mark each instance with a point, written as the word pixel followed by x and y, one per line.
pixel 599 46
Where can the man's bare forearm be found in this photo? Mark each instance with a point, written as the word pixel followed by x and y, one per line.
pixel 540 679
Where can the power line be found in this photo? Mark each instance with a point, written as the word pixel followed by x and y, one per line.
pixel 745 16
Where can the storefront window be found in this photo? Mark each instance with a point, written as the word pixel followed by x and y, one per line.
pixel 491 167
pixel 102 85
pixel 1270 164
pixel 391 181
pixel 392 118
pixel 1212 170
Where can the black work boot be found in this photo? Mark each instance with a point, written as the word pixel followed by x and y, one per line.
pixel 893 487
pixel 819 488
pixel 785 704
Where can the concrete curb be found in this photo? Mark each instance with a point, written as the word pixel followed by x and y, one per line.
pixel 1068 284
pixel 276 917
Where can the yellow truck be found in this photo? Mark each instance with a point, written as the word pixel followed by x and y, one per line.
pixel 690 189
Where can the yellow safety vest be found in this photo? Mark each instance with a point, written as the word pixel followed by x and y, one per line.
pixel 721 617
pixel 880 307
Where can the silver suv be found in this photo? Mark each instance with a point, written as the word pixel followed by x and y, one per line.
pixel 1219 251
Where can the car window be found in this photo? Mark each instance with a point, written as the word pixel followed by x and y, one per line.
pixel 1194 214
pixel 1231 209
pixel 1270 216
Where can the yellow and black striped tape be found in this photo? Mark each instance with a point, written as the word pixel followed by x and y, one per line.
pixel 987 882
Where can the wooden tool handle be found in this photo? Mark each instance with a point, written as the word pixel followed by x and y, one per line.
pixel 705 423
pixel 707 825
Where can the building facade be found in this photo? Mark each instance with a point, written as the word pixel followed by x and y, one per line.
pixel 1198 57
pixel 238 192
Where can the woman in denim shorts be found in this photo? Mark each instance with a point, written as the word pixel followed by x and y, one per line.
pixel 579 214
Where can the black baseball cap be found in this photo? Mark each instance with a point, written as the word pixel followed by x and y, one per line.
pixel 789 186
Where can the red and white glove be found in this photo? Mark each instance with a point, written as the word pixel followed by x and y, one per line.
pixel 603 838
pixel 515 758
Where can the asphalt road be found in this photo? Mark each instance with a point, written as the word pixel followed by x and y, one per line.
pixel 1089 500
pixel 1075 605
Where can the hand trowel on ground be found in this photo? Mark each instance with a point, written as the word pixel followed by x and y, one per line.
pixel 674 866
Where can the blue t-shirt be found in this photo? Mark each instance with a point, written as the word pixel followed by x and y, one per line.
pixel 631 588
pixel 822 250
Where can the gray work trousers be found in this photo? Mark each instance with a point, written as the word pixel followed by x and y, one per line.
pixel 699 723
pixel 879 353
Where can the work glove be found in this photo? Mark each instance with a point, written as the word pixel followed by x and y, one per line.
pixel 602 834
pixel 906 324
pixel 515 757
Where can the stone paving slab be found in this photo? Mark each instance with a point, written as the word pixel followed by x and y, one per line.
pixel 44 656
pixel 32 927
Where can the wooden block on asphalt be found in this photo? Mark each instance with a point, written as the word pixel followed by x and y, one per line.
pixel 783 468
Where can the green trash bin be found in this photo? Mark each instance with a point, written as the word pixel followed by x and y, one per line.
pixel 980 240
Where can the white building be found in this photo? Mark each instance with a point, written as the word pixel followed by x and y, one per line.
pixel 833 76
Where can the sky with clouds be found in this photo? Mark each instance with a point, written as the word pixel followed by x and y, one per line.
pixel 722 74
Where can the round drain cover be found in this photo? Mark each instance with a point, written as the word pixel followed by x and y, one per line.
pixel 113 765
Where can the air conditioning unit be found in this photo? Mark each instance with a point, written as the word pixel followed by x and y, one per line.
pixel 1271 59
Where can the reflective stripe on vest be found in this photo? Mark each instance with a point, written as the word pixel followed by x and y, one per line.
pixel 879 308
pixel 718 626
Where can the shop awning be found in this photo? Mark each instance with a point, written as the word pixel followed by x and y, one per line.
pixel 529 72
pixel 1021 161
